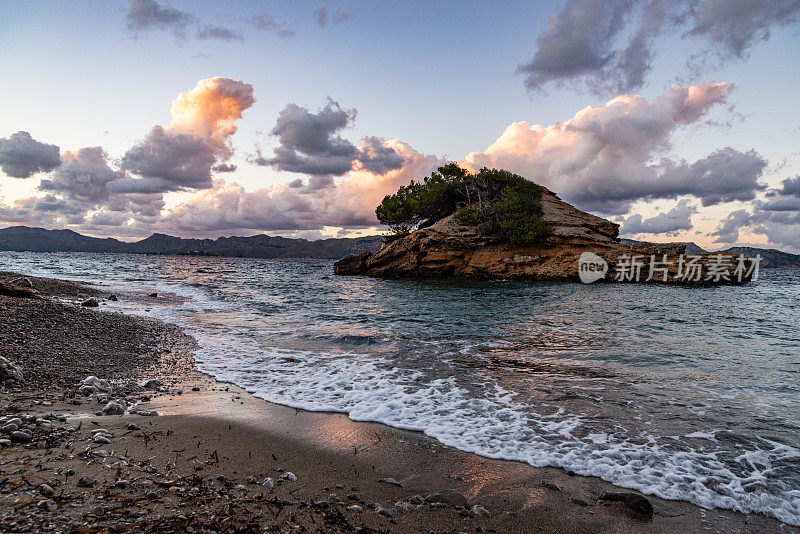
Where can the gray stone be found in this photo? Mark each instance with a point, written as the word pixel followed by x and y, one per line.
pixel 86 482
pixel 288 475
pixel 391 481
pixel 98 511
pixel 47 505
pixel 20 437
pixel 114 408
pixel 9 370
pixel 355 508
pixel 9 428
pixel 451 497
pixel 90 303
pixel 634 501
pixel 46 490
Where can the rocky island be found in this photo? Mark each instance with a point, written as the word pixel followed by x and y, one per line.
pixel 477 229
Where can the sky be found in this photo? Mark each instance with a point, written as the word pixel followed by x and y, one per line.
pixel 678 120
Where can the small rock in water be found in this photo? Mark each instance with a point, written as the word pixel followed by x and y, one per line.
pixel 633 501
pixel 47 505
pixel 112 298
pixel 90 303
pixel 288 475
pixel 391 481
pixel 268 483
pixel 154 295
pixel 450 497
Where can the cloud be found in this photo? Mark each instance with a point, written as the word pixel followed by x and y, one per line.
pixel 224 167
pixel 21 155
pixel 777 217
pixel 219 32
pixel 736 25
pixel 310 144
pixel 603 159
pixel 83 176
pixel 269 23
pixel 609 45
pixel 182 155
pixel 677 219
pixel 347 202
pixel 149 14
pixel 322 17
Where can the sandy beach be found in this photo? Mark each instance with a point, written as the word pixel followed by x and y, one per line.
pixel 186 453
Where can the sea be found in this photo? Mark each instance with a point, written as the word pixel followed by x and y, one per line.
pixel 688 393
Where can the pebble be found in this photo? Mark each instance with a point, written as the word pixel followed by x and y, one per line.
pixel 252 480
pixel 46 490
pixel 392 481
pixel 122 484
pixel 20 437
pixel 9 428
pixel 132 426
pixel 633 501
pixel 479 510
pixel 5 442
pixel 47 505
pixel 86 482
pixel 288 475
pixel 417 499
pixel 268 483
pixel 90 303
pixel 355 508
pixel 100 438
pixel 114 408
pixel 112 298
pixel 450 497
pixel 98 511
pixel 551 485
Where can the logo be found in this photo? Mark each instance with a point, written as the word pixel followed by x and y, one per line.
pixel 591 267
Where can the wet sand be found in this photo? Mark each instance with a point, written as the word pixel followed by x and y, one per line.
pixel 200 464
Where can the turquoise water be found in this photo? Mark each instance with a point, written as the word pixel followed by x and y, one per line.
pixel 687 393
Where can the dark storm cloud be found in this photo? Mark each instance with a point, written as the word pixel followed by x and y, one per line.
pixel 609 44
pixel 167 161
pixel 728 230
pixel 21 155
pixel 678 218
pixel 310 144
pixel 224 167
pixel 148 14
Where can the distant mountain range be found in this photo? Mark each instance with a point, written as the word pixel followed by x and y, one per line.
pixel 23 238
pixel 770 258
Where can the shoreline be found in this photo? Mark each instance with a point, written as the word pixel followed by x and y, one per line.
pixel 209 429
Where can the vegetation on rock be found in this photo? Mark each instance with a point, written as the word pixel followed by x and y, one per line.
pixel 498 201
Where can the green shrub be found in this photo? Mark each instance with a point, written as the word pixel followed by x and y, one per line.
pixel 468 216
pixel 502 202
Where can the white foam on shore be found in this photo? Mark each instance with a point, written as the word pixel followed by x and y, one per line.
pixel 495 426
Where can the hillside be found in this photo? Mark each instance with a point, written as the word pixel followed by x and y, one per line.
pixel 23 238
pixel 770 258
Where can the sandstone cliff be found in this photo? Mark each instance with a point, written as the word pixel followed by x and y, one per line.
pixel 451 249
